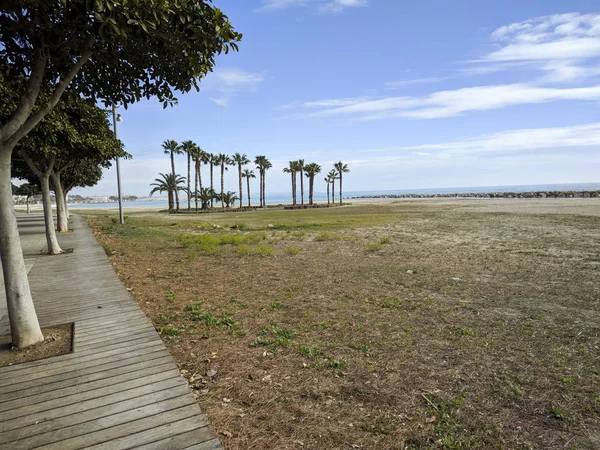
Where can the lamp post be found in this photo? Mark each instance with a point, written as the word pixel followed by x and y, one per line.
pixel 117 118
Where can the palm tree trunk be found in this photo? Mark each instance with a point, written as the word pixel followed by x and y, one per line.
pixel 222 185
pixel 188 182
pixel 197 169
pixel 340 188
pixel 212 200
pixel 240 178
pixel 248 186
pixel 333 193
pixel 264 187
pixel 311 184
pixel 175 188
pixel 302 187
pixel 328 193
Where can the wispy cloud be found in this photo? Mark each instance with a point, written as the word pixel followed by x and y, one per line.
pixel 323 6
pixel 449 103
pixel 562 45
pixel 221 101
pixel 235 80
pixel 402 83
pixel 530 139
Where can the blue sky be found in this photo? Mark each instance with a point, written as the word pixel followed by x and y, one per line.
pixel 411 94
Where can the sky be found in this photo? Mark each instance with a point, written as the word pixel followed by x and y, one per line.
pixel 410 94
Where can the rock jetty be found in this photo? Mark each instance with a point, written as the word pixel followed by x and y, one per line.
pixel 538 194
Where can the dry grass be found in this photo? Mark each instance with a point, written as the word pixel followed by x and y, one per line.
pixel 407 325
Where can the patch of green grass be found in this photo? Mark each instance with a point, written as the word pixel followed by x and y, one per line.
pixel 278 305
pixel 463 331
pixel 262 342
pixel 293 251
pixel 264 250
pixel 385 240
pixel 309 352
pixel 387 302
pixel 557 412
pixel 374 247
pixel 326 236
pixel 170 296
pixel 170 332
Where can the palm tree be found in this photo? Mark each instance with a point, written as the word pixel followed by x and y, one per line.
pixel 328 183
pixel 300 168
pixel 206 195
pixel 332 175
pixel 223 160
pixel 311 170
pixel 240 160
pixel 248 174
pixel 291 169
pixel 262 164
pixel 341 169
pixel 197 157
pixel 228 198
pixel 168 183
pixel 212 162
pixel 188 147
pixel 172 148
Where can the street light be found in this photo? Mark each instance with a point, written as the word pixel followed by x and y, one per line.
pixel 118 118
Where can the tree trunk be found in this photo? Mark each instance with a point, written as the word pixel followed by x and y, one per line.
pixel 302 187
pixel 27 203
pixel 53 247
pixel 61 210
pixel 175 187
pixel 333 192
pixel 171 202
pixel 241 189
pixel 188 181
pixel 222 185
pixel 264 184
pixel 24 326
pixel 328 193
pixel 311 185
pixel 197 169
pixel 67 205
pixel 340 188
pixel 248 186
pixel 200 174
pixel 212 200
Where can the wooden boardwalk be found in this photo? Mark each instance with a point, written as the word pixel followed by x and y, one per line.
pixel 120 388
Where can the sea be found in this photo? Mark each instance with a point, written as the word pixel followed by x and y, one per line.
pixel 285 198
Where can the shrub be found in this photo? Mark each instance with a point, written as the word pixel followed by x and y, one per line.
pixel 293 251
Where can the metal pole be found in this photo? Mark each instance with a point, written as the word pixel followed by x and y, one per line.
pixel 121 217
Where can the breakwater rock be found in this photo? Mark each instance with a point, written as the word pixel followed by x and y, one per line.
pixel 538 194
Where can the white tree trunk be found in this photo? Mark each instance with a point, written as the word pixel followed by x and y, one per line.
pixel 24 325
pixel 67 207
pixel 61 207
pixel 53 247
pixel 27 201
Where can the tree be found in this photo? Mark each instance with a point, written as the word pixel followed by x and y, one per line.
pixel 228 198
pixel 113 50
pixel 300 168
pixel 188 148
pixel 28 190
pixel 170 184
pixel 328 182
pixel 172 148
pixel 262 164
pixel 332 176
pixel 195 155
pixel 223 160
pixel 212 162
pixel 83 173
pixel 341 169
pixel 206 195
pixel 241 159
pixel 291 169
pixel 247 174
pixel 311 170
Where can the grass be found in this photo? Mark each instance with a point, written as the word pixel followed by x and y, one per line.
pixel 408 325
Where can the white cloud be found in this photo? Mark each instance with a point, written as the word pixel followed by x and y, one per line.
pixel 566 43
pixel 234 80
pixel 323 6
pixel 503 142
pixel 402 83
pixel 221 101
pixel 450 103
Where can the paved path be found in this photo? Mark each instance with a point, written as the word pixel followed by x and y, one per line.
pixel 120 388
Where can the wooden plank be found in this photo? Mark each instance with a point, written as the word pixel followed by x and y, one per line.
pixel 98 424
pixel 137 432
pixel 184 440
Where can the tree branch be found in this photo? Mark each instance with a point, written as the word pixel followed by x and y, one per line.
pixel 27 102
pixel 35 118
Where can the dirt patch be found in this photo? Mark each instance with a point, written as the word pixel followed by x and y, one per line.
pixel 409 325
pixel 58 341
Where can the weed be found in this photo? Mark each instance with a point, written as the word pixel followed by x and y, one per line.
pixel 464 331
pixel 170 296
pixel 326 236
pixel 170 332
pixel 278 305
pixel 293 250
pixel 309 352
pixel 264 250
pixel 385 240
pixel 374 247
pixel 262 342
pixel 557 412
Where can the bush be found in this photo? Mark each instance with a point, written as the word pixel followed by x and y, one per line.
pixel 293 251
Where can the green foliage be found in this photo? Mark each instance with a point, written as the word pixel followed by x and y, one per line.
pixel 293 251
pixel 326 236
pixel 385 240
pixel 557 412
pixel 374 247
pixel 278 305
pixel 170 332
pixel 309 352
